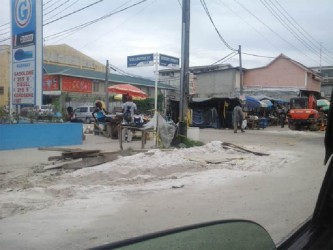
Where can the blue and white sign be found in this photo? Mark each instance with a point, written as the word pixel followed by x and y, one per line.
pixel 26 52
pixel 140 60
pixel 24 16
pixel 169 61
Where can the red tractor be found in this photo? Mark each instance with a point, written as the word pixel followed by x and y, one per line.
pixel 303 114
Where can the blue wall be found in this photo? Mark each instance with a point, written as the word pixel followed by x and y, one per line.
pixel 14 136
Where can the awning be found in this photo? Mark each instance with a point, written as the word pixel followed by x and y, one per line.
pixel 53 93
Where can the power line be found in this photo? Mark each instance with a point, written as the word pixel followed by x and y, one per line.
pixel 110 30
pixel 62 4
pixel 305 34
pixel 73 12
pixel 285 25
pixel 47 2
pixel 273 31
pixel 217 31
pixel 249 54
pixel 61 11
pixel 79 27
pixel 50 5
pixel 232 53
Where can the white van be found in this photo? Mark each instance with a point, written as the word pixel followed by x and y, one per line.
pixel 84 113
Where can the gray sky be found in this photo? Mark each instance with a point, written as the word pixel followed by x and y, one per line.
pixel 155 26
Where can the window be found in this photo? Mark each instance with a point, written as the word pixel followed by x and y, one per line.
pixel 2 90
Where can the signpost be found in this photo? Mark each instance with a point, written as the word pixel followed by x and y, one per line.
pixel 26 78
pixel 150 60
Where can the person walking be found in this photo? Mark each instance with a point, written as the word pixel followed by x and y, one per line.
pixel 238 117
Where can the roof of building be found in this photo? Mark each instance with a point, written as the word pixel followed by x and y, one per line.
pixel 53 69
pixel 282 56
pixel 203 69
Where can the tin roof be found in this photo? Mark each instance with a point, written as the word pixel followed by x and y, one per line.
pixel 54 69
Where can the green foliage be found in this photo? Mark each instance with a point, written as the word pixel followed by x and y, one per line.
pixel 147 106
pixel 183 141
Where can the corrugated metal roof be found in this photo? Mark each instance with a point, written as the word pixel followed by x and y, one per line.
pixel 53 69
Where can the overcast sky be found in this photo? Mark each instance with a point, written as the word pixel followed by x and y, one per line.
pixel 155 26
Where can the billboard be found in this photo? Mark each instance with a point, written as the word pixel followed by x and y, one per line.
pixel 73 84
pixel 26 52
pixel 140 60
pixel 50 83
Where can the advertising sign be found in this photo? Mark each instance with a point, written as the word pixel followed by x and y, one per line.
pixel 24 53
pixel 140 60
pixel 50 83
pixel 169 61
pixel 73 84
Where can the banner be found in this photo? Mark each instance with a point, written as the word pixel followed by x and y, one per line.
pixel 73 84
pixel 50 83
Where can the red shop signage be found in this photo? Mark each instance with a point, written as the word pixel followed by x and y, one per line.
pixel 50 83
pixel 73 84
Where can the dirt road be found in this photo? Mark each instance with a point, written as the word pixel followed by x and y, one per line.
pixel 81 209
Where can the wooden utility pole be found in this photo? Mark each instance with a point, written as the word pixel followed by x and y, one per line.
pixel 240 70
pixel 185 74
pixel 106 85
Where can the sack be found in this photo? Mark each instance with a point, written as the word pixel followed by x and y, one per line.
pixel 127 115
pixel 244 124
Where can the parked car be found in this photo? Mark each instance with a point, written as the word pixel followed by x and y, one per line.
pixel 84 113
pixel 45 109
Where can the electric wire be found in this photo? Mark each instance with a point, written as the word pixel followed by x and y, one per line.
pixel 61 11
pixel 306 34
pixel 285 25
pixel 74 12
pixel 99 37
pixel 273 31
pixel 204 5
pixel 116 27
pixel 79 27
pixel 50 5
pixel 224 58
pixel 59 6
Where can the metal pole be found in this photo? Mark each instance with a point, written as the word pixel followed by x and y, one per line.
pixel 184 78
pixel 156 113
pixel 240 70
pixel 107 85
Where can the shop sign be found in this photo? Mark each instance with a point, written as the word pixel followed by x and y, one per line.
pixel 50 83
pixel 73 84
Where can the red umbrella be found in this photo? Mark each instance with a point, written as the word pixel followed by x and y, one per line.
pixel 127 89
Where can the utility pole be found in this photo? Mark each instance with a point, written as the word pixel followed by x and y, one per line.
pixel 184 78
pixel 106 85
pixel 240 70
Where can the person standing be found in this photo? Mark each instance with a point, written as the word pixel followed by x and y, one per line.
pixel 238 117
pixel 129 108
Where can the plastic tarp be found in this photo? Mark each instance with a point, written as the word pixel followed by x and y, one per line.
pixel 204 117
pixel 252 102
pixel 166 130
pixel 267 102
